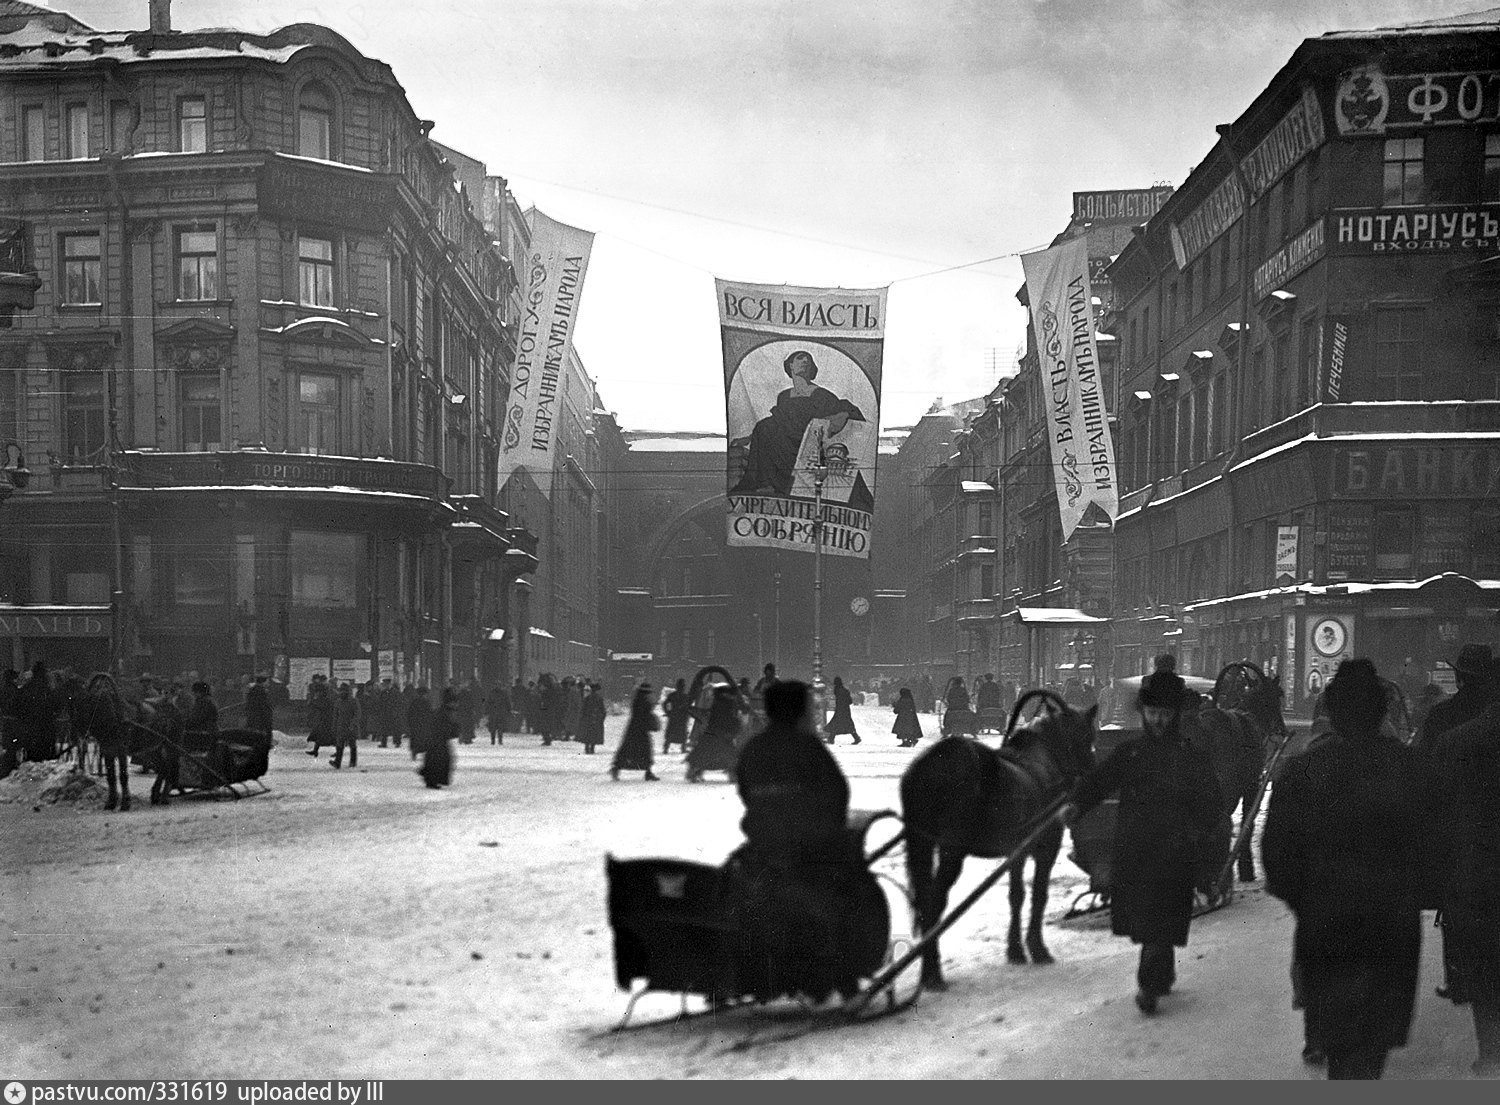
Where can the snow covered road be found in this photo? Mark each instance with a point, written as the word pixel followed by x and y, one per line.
pixel 354 924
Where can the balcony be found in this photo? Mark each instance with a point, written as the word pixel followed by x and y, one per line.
pixel 978 545
pixel 974 613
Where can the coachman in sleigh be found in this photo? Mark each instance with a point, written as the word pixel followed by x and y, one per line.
pixel 794 911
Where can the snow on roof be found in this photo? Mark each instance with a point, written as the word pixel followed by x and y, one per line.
pixel 75 48
pixel 688 443
pixel 976 485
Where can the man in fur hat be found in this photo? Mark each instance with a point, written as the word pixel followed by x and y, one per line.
pixel 1169 806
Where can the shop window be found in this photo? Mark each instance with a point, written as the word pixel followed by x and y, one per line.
pixel 199 579
pixel 192 124
pixel 199 414
pixel 77 120
pixel 80 270
pixel 198 263
pixel 317 418
pixel 324 569
pixel 1399 334
pixel 315 123
pixel 33 133
pixel 1404 180
pixel 83 417
pixel 315 271
pixel 1395 533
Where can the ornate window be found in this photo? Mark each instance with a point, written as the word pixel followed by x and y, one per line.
pixel 198 263
pixel 315 122
pixel 1398 352
pixel 192 124
pixel 83 437
pixel 315 271
pixel 77 130
pixel 199 413
pixel 81 269
pixel 316 422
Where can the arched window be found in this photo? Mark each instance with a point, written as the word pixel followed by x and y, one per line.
pixel 315 122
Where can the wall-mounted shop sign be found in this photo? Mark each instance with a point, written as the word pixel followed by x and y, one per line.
pixel 1371 102
pixel 318 193
pixel 247 469
pixel 1349 547
pixel 1403 471
pixel 1303 250
pixel 1428 229
pixel 1286 553
pixel 1123 205
pixel 15 623
pixel 1298 133
pixel 1336 345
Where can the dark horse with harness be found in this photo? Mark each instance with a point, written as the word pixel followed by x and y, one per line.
pixel 962 798
pixel 100 715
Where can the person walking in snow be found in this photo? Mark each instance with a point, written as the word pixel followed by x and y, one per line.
pixel 634 753
pixel 675 706
pixel 843 718
pixel 907 727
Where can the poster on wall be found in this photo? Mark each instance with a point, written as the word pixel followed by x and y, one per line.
pixel 300 670
pixel 1330 641
pixel 802 375
pixel 351 671
pixel 386 664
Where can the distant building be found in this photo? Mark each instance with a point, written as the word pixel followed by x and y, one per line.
pixel 1310 365
pixel 261 387
pixel 687 599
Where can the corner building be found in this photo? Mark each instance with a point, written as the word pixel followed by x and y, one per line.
pixel 1309 347
pixel 261 387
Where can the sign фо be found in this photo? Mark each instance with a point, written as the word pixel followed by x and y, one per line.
pixel 802 371
pixel 1062 314
pixel 555 269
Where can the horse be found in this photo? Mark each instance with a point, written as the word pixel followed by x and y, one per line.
pixel 962 798
pixel 1240 730
pixel 100 715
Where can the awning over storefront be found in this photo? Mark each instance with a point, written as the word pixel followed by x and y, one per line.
pixel 1055 615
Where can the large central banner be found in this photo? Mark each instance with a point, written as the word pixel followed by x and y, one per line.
pixel 1062 317
pixel 555 268
pixel 802 371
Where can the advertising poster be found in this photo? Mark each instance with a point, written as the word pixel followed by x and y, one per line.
pixel 1062 313
pixel 300 670
pixel 802 373
pixel 351 671
pixel 1330 641
pixel 386 661
pixel 554 273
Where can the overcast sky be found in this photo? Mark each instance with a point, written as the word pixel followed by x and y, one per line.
pixel 839 142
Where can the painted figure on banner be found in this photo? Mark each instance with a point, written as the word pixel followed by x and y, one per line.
pixel 802 369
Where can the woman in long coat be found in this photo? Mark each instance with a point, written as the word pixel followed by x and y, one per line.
pixel 1169 806
pixel 1343 848
pixel 676 708
pixel 437 764
pixel 572 707
pixel 843 719
pixel 634 753
pixel 591 718
pixel 907 727
pixel 1468 760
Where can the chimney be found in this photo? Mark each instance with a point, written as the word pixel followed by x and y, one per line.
pixel 161 16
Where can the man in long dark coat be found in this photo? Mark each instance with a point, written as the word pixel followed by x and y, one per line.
pixel 36 707
pixel 1170 803
pixel 258 707
pixel 1467 759
pixel 1342 847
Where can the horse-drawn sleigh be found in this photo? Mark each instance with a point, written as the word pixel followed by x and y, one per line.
pixel 693 929
pixel 228 762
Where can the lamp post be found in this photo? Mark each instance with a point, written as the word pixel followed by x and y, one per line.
pixel 819 474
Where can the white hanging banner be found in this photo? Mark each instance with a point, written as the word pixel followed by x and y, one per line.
pixel 555 269
pixel 1062 316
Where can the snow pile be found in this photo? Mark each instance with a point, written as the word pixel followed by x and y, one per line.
pixel 51 781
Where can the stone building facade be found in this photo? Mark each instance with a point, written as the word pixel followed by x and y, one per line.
pixel 261 386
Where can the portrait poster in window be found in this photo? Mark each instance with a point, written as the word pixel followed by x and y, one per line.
pixel 802 374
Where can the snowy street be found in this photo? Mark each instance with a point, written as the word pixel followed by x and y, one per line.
pixel 353 924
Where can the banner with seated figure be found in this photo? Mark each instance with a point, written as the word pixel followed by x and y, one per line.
pixel 802 370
